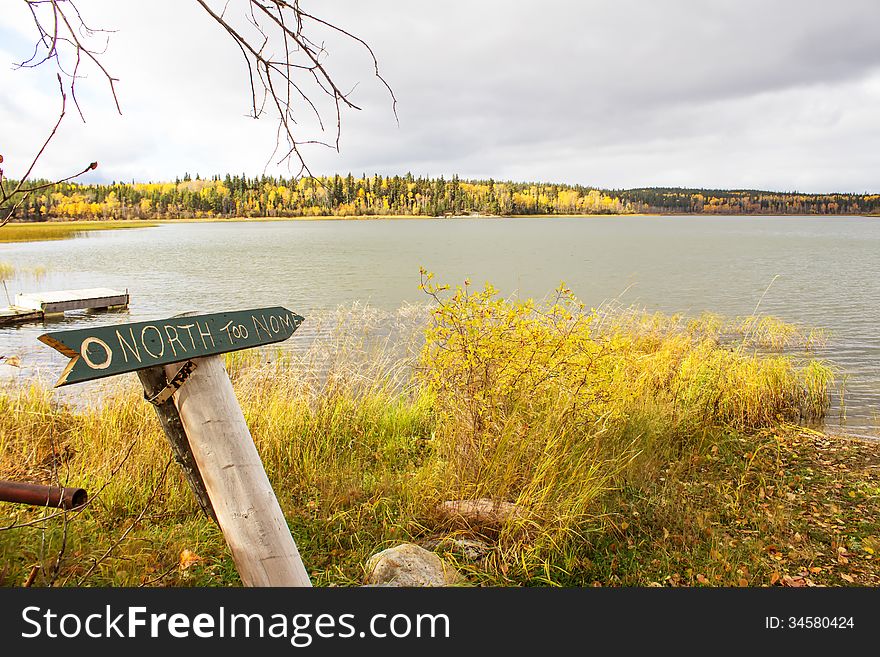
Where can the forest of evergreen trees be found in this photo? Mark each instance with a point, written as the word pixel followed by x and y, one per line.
pixel 718 201
pixel 241 196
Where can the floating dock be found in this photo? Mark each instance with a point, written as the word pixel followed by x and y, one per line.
pixel 39 305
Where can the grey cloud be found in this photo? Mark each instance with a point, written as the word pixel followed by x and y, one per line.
pixel 718 93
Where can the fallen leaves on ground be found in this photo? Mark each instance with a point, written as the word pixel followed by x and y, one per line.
pixel 188 558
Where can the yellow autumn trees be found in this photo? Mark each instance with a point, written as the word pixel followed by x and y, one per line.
pixel 240 196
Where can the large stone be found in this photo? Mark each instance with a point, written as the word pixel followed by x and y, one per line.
pixel 410 565
pixel 480 512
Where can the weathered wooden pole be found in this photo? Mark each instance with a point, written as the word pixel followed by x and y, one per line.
pixel 239 490
pixel 154 382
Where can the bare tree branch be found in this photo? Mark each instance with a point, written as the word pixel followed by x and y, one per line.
pixel 286 72
pixel 286 68
pixel 63 37
pixel 67 38
pixel 20 190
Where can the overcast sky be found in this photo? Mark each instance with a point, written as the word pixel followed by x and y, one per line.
pixel 766 94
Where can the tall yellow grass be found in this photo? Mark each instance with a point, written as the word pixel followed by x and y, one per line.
pixel 59 230
pixel 548 406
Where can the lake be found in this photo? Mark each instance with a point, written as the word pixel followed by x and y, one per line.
pixel 825 273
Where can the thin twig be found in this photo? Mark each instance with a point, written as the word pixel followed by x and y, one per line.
pixel 160 577
pixel 19 187
pixel 56 568
pixel 278 23
pixel 131 526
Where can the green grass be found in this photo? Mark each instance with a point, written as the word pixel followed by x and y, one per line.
pixel 60 230
pixel 673 462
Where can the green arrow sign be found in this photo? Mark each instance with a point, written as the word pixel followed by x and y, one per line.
pixel 107 350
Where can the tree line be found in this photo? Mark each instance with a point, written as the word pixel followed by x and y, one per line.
pixel 718 201
pixel 267 196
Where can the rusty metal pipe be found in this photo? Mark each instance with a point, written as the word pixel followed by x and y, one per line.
pixel 36 495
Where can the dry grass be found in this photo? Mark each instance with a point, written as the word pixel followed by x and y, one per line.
pixel 361 441
pixel 60 230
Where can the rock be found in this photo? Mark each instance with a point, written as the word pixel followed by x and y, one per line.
pixel 481 511
pixel 410 565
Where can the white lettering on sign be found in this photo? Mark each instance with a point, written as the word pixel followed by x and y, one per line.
pixel 235 332
pixel 205 334
pixel 131 346
pixel 168 340
pixel 261 324
pixel 108 353
pixel 189 332
pixel 109 350
pixel 173 339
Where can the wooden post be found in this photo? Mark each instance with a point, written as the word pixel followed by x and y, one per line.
pixel 239 490
pixel 154 381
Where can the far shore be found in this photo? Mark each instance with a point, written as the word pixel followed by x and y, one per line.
pixel 58 230
pixel 66 228
pixel 366 217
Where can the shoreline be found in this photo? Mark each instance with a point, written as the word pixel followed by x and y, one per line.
pixel 358 217
pixel 368 217
pixel 43 231
pixel 66 228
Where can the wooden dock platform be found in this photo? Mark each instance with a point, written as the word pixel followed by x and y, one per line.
pixel 38 305
pixel 13 315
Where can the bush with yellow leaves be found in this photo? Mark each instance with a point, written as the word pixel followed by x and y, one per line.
pixel 544 404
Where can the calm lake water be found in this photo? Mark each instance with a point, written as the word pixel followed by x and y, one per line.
pixel 826 270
